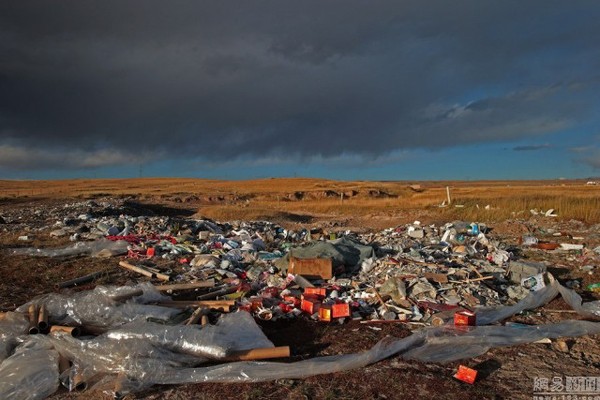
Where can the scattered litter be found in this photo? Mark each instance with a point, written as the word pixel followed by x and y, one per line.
pixel 533 283
pixel 466 374
pixel 571 246
pixel 203 284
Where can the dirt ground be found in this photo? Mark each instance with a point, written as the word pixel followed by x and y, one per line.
pixel 504 373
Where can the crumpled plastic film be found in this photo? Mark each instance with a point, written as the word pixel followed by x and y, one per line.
pixel 80 248
pixel 97 308
pixel 253 371
pixel 183 339
pixel 149 295
pixel 533 300
pixel 431 345
pixel 589 309
pixel 486 316
pixel 31 372
pixel 446 344
pixel 140 354
pixel 145 351
pixel 102 355
pixel 443 344
pixel 234 332
pixel 11 326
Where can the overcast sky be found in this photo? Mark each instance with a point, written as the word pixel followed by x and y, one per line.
pixel 339 89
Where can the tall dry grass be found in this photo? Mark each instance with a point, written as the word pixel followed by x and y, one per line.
pixel 584 208
pixel 266 198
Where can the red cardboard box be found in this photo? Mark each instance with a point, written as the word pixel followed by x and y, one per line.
pixel 465 318
pixel 466 374
pixel 341 310
pixel 315 291
pixel 310 304
pixel 292 300
pixel 325 313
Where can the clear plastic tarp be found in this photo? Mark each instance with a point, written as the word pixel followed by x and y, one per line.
pixel 31 372
pixel 98 307
pixel 96 248
pixel 135 353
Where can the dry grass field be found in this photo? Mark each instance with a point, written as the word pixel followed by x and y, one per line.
pixel 362 204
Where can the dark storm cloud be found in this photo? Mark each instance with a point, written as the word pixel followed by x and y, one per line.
pixel 110 82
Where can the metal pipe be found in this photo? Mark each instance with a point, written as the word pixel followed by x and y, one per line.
pixel 217 293
pixel 72 330
pixel 79 281
pixel 42 322
pixel 33 319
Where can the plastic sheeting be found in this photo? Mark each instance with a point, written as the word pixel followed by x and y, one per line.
pixel 448 344
pixel 441 344
pixel 430 345
pixel 234 332
pixel 11 326
pixel 486 316
pixel 143 352
pixel 31 372
pixel 96 308
pixel 343 251
pixel 101 356
pixel 95 248
pixel 140 354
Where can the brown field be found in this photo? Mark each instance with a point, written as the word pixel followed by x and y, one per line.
pixel 506 373
pixel 356 204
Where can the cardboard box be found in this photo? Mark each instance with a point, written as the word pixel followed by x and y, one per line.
pixel 341 310
pixel 325 313
pixel 321 292
pixel 292 300
pixel 310 304
pixel 311 267
pixel 466 374
pixel 463 318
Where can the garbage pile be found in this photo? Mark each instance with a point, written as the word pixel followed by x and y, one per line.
pixel 193 322
pixel 413 273
pixel 125 339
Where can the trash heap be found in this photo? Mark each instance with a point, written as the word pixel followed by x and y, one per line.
pixel 413 273
pixel 190 318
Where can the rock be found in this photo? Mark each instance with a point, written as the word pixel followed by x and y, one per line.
pixel 561 345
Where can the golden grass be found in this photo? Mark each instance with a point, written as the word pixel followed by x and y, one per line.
pixel 581 205
pixel 320 199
